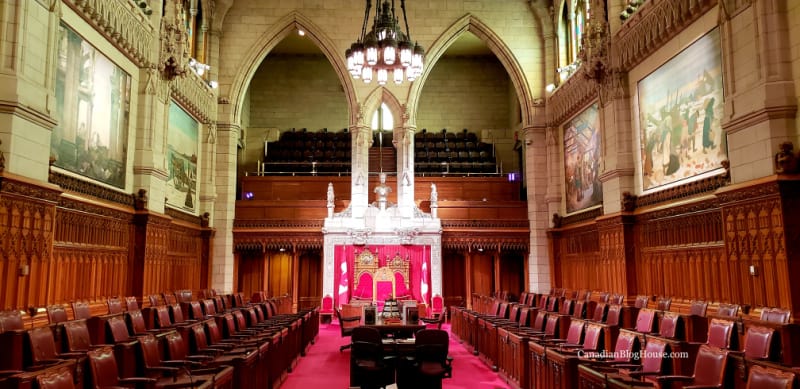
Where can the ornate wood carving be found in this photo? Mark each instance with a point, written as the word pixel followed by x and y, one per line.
pixel 176 214
pixel 652 26
pixel 87 188
pixel 27 214
pixel 581 217
pixel 694 188
pixel 122 24
pixel 761 230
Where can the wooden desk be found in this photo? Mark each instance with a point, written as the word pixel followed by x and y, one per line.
pixel 394 328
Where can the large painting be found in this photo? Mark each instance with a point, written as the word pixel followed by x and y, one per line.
pixel 182 159
pixel 92 98
pixel 582 161
pixel 680 105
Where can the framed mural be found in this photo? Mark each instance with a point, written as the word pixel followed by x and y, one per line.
pixel 182 147
pixel 680 105
pixel 92 104
pixel 583 188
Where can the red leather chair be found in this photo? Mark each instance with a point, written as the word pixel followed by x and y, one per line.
pixel 709 370
pixel 12 336
pixel 574 335
pixel 592 340
pixel 326 310
pixel 776 315
pixel 103 366
pixel 347 325
pixel 209 309
pixel 155 300
pixel 671 326
pixel 56 314
pixel 728 310
pixel 663 303
pixel 77 337
pixel 199 364
pixel 600 312
pixel 114 305
pixel 720 334
pixel 81 310
pixel 626 346
pixel 761 343
pixel 579 310
pixel 437 305
pixel 42 351
pixel 613 315
pixel 761 377
pixel 56 379
pixel 431 362
pixel 162 317
pixel 646 321
pixel 654 362
pixel 169 298
pixel 698 308
pixel 641 301
pixel 131 304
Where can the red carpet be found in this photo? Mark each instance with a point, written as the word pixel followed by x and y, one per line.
pixel 325 367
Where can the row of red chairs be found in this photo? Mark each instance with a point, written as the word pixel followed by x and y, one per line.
pixel 603 337
pixel 215 342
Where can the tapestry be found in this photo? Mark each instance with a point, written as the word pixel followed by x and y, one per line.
pixel 182 137
pixel 92 104
pixel 680 105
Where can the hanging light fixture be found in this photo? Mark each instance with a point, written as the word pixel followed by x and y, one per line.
pixel 385 49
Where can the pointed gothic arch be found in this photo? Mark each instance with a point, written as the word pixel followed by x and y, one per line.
pixel 382 95
pixel 288 24
pixel 470 23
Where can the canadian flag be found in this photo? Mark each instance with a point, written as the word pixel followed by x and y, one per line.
pixel 343 284
pixel 423 287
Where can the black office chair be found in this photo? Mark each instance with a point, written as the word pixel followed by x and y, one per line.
pixel 431 363
pixel 369 366
pixel 347 325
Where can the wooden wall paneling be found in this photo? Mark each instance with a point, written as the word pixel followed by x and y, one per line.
pixel 251 272
pixel 761 231
pixel 482 273
pixel 310 277
pixel 27 212
pixel 454 281
pixel 280 273
pixel 512 272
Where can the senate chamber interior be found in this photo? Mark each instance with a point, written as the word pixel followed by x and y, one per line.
pixel 425 193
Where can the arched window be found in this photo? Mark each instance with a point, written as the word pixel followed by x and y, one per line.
pixel 197 30
pixel 382 120
pixel 572 21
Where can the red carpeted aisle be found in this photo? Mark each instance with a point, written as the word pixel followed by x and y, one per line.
pixel 325 367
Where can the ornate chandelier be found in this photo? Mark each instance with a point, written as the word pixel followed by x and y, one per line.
pixel 385 50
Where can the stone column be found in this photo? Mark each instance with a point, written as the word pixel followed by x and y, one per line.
pixel 760 110
pixel 404 142
pixel 359 181
pixel 536 178
pixel 225 207
pixel 616 170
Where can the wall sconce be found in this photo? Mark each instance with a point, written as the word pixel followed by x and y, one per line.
pixel 248 195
